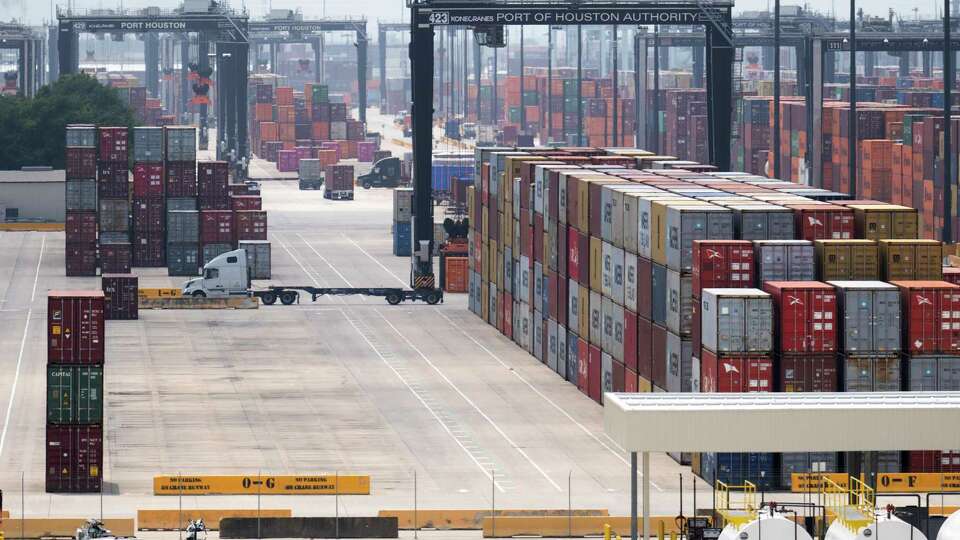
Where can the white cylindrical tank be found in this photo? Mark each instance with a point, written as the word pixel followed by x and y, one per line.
pixel 766 527
pixel 950 530
pixel 885 527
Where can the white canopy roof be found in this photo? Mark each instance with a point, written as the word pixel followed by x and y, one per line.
pixel 783 422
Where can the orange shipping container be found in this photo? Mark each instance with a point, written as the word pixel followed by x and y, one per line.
pixel 456 271
pixel 321 131
pixel 263 112
pixel 284 95
pixel 288 133
pixel 327 157
pixel 268 131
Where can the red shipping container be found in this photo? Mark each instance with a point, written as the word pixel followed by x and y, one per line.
pixel 645 348
pixel 808 373
pixel 629 381
pixel 951 275
pixel 121 296
pixel 933 461
pixel 735 373
pixel 562 300
pixel 584 261
pixel 75 329
pixel 147 179
pixel 573 254
pixel 74 460
pixel 149 249
pixel 526 235
pixel 148 215
pixel 594 379
pixel 212 191
pixel 823 222
pixel 181 179
pixel 80 227
pixel 246 202
pixel 216 227
pixel 80 259
pixel 630 339
pixel 722 264
pixel 113 143
pixel 538 237
pixel 931 312
pixel 250 225
pixel 619 373
pixel 113 179
pixel 115 258
pixel 583 363
pixel 81 163
pixel 806 315
pixel 658 356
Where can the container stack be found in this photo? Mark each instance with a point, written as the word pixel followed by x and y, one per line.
pixel 81 201
pixel 216 216
pixel 249 218
pixel 402 214
pixel 121 296
pixel 180 190
pixel 75 359
pixel 149 221
pixel 113 182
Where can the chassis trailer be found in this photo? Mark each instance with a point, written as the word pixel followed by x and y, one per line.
pixel 393 295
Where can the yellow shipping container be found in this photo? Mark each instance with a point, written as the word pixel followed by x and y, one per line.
pixel 911 260
pixel 882 221
pixel 596 264
pixel 583 312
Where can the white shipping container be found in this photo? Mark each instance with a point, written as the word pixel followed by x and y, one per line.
pixel 679 302
pixel 538 345
pixel 561 351
pixel 606 269
pixel 539 180
pixel 596 319
pixel 524 278
pixel 492 306
pixel 618 333
pixel 606 213
pixel 631 221
pixel 508 281
pixel 538 287
pixel 525 327
pixel 617 289
pixel 688 223
pixel 606 307
pixel 630 281
pixel 553 354
pixel 573 304
pixel 736 320
pixel 606 375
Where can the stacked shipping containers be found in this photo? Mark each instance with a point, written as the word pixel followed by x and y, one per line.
pixel 180 191
pixel 149 223
pixel 113 183
pixel 75 359
pixel 402 226
pixel 81 201
pixel 216 216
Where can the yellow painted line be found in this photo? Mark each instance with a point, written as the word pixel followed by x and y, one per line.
pixel 188 302
pixel 468 519
pixel 558 527
pixel 41 227
pixel 159 293
pixel 63 527
pixel 263 485
pixel 173 520
pixel 401 142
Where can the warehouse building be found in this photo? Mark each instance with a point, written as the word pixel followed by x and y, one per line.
pixel 32 195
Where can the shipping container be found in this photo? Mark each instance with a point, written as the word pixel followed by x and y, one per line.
pixel 148 180
pixel 679 301
pixel 808 373
pixel 847 260
pixel 181 203
pixel 81 195
pixel 114 215
pixel 80 227
pixel 181 178
pixel 682 225
pixel 113 143
pixel 763 222
pixel 784 260
pixel 116 257
pixel 882 221
pixel 258 258
pixel 870 316
pixel 113 180
pixel 81 135
pixel 870 373
pixel 183 226
pixel 806 462
pixel 81 163
pixel 806 316
pixel 911 260
pixel 147 144
pixel 216 226
pixel 149 215
pixel 736 372
pixel 180 143
pixel 722 264
pixel 121 296
pixel 80 259
pixel 212 190
pixel 208 252
pixel 74 394
pixel 931 316
pixel 183 259
pixel 823 222
pixel 736 320
pixel 75 327
pixel 74 459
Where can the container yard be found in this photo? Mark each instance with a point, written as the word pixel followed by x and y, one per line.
pixel 681 271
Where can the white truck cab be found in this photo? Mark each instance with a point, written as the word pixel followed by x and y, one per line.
pixel 225 275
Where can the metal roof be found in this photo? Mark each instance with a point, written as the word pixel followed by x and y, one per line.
pixel 783 422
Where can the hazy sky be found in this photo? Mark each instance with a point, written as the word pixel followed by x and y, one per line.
pixel 390 10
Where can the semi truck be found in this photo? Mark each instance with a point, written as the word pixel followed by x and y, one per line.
pixel 388 173
pixel 227 276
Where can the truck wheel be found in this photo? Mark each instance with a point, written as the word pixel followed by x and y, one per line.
pixel 288 297
pixel 433 297
pixel 394 299
pixel 199 294
pixel 367 185
pixel 269 298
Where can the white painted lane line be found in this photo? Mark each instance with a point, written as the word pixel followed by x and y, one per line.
pixel 23 344
pixel 374 259
pixel 312 273
pixel 469 401
pixel 484 463
pixel 324 259
pixel 542 395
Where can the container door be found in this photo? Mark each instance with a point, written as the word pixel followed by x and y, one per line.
pixel 694 226
pixel 730 324
pixel 887 323
pixel 60 394
pixel 780 226
pixel 887 374
pixel 922 374
pixel 773 264
pixel 948 374
pixel 858 375
pixel 858 321
pixel 801 263
pixel 89 395
pixel 758 333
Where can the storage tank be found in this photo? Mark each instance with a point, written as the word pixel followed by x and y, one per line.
pixel 885 526
pixel 768 525
pixel 950 530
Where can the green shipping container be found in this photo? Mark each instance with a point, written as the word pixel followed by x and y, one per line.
pixel 320 94
pixel 531 98
pixel 74 394
pixel 571 105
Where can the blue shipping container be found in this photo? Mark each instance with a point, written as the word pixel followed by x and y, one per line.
pixel 401 239
pixel 444 170
pixel 735 468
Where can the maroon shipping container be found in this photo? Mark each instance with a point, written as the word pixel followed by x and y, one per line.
pixel 80 227
pixel 644 289
pixel 738 372
pixel 80 259
pixel 75 329
pixel 147 180
pixel 630 339
pixel 113 143
pixel 149 249
pixel 250 225
pixel 116 258
pixel 113 180
pixel 951 275
pixel 246 202
pixel 121 296
pixel 806 316
pixel 181 179
pixel 722 264
pixel 823 222
pixel 74 459
pixel 618 376
pixel 212 178
pixel 81 163
pixel 808 373
pixel 645 348
pixel 216 227
pixel 573 254
pixel 148 215
pixel 338 177
pixel 931 313
pixel 594 378
pixel 658 355
pixel 933 461
pixel 538 230
pixel 234 190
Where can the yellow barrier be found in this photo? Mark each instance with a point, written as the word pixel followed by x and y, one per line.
pixel 401 142
pixel 557 527
pixel 159 293
pixel 918 482
pixel 173 520
pixel 469 519
pixel 189 302
pixel 60 528
pixel 943 510
pixel 38 227
pixel 264 485
pixel 806 482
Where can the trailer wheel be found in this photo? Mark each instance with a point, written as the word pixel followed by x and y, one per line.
pixel 268 298
pixel 433 297
pixel 394 299
pixel 288 297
